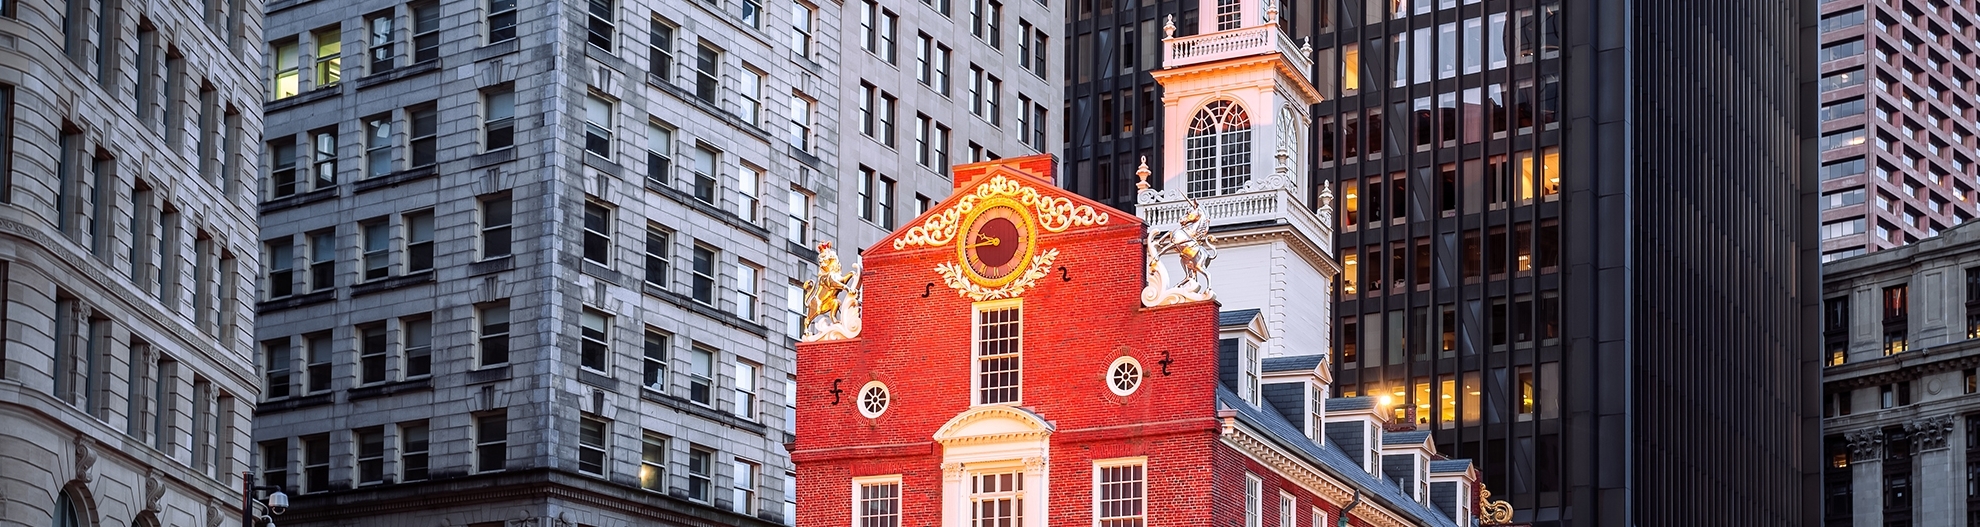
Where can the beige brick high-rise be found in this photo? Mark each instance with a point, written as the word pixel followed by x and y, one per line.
pixel 127 259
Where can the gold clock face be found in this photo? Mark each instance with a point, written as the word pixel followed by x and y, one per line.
pixel 997 243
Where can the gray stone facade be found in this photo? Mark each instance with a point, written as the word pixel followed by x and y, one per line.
pixel 127 256
pixel 661 206
pixel 1902 401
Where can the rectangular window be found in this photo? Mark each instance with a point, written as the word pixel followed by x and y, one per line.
pixel 999 352
pixel 797 207
pixel 288 79
pixel 701 473
pixel 598 126
pixel 491 441
pixel 743 476
pixel 498 125
pixel 941 82
pixel 600 25
pixel 324 157
pixel 1895 303
pixel 1254 496
pixel 800 132
pixel 922 127
pixel 417 334
pixel 877 502
pixel 317 368
pixel 802 18
pixel 659 154
pixel 701 376
pixel 660 42
pixel 746 290
pixel 653 462
pixel 996 498
pixel 412 451
pixel 592 434
pixel 867 95
pixel 283 180
pixel 496 214
pixel 654 372
pixel 501 20
pixel 372 358
pixel 419 241
pixel 746 202
pixel 281 268
pixel 494 335
pixel 704 174
pixel 658 243
pixel 384 41
pixel 316 463
pixel 888 107
pixel 746 389
pixel 275 367
pixel 942 148
pixel 593 335
pixel 1120 493
pixel 707 69
pixel 377 249
pixel 425 32
pixel 1286 502
pixel 704 275
pixel 886 204
pixel 370 455
pixel 597 234
pixel 378 145
pixel 275 463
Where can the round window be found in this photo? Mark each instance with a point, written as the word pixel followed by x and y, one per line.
pixel 1124 376
pixel 873 399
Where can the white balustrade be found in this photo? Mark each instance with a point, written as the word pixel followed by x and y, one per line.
pixel 1240 42
pixel 1259 207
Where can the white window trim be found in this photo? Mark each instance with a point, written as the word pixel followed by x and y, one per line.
pixel 976 362
pixel 1254 498
pixel 1141 376
pixel 1098 464
pixel 1288 508
pixel 859 400
pixel 893 479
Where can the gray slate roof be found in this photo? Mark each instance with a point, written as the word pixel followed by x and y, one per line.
pixel 1350 403
pixel 1405 438
pixel 1238 317
pixel 1331 460
pixel 1449 465
pixel 1294 363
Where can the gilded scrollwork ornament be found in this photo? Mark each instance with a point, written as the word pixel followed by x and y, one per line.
pixel 954 277
pixel 1490 511
pixel 1055 214
pixel 831 300
pixel 1193 246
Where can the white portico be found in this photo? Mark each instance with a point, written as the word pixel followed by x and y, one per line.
pixel 1238 95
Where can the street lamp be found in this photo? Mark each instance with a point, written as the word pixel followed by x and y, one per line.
pixel 276 504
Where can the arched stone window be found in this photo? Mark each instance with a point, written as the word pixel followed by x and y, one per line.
pixel 67 512
pixel 1218 149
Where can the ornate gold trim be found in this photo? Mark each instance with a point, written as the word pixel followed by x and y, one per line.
pixel 1029 232
pixel 1054 214
pixel 958 277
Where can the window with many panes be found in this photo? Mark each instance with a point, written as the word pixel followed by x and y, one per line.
pixel 998 342
pixel 1120 493
pixel 878 502
pixel 996 498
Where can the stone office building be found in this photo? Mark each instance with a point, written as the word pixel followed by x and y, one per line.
pixel 540 261
pixel 127 253
pixel 1901 333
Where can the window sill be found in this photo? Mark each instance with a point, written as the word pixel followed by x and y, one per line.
pixel 500 155
pixel 702 411
pixel 391 388
pixel 295 301
pixel 487 374
pixel 387 284
pixel 599 271
pixel 708 107
pixel 387 76
pixel 709 210
pixel 316 94
pixel 295 403
pixel 495 49
pixel 705 310
pixel 396 178
pixel 298 200
pixel 492 265
pixel 596 378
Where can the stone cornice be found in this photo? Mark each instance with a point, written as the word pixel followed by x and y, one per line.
pixel 1326 486
pixel 1274 61
pixel 1306 249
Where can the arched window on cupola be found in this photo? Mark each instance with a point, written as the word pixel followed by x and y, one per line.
pixel 1218 149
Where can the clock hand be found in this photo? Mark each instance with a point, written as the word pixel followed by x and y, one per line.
pixel 986 240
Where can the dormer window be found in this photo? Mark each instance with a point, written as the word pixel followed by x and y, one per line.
pixel 1316 405
pixel 1249 386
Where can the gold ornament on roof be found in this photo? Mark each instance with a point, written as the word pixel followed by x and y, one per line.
pixel 1195 247
pixel 1491 512
pixel 840 319
pixel 1054 214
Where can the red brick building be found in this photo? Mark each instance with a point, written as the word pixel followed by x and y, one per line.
pixel 1004 371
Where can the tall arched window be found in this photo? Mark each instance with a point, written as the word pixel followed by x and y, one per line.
pixel 1218 149
pixel 66 512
